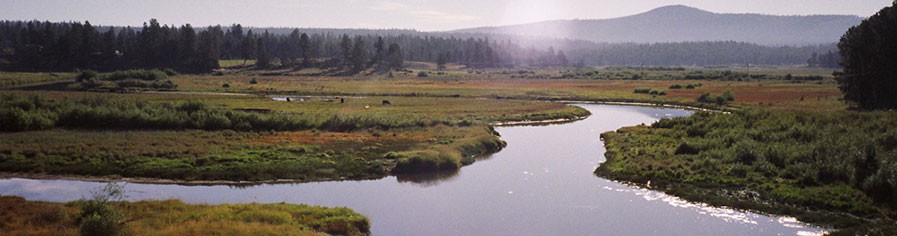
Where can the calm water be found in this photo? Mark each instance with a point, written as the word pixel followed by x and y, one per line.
pixel 541 184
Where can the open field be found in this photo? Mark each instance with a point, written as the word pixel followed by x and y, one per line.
pixel 783 95
pixel 173 217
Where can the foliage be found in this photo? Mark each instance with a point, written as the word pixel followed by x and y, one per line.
pixel 173 217
pixel 721 99
pixel 844 162
pixel 126 80
pixel 36 113
pixel 869 61
pixel 100 215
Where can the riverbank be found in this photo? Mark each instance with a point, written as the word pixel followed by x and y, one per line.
pixel 173 217
pixel 798 164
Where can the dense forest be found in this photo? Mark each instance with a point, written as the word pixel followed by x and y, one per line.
pixel 47 46
pixel 702 54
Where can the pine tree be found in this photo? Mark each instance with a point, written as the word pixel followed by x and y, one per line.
pixel 346 46
pixel 305 48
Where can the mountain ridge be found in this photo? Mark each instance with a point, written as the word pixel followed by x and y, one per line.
pixel 680 23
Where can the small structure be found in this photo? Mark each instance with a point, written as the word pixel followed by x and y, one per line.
pixel 386 102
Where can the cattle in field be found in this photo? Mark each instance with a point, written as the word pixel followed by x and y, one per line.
pixel 386 102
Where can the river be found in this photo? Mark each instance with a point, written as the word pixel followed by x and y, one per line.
pixel 540 184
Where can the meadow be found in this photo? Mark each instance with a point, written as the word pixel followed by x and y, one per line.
pixel 236 125
pixel 173 217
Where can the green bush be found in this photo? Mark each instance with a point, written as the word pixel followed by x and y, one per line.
pixel 676 86
pixel 425 160
pixel 642 90
pixel 99 216
pixel 86 75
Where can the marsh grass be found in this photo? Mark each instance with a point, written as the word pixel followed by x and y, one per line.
pixel 173 217
pixel 822 167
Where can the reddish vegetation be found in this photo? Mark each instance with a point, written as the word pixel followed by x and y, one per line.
pixel 312 137
pixel 20 217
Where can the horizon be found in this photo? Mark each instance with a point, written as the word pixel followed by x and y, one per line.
pixel 424 16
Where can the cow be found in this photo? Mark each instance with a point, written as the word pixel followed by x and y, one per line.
pixel 386 102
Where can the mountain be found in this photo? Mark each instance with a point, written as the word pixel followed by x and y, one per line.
pixel 680 23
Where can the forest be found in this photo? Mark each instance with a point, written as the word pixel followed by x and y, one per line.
pixel 67 46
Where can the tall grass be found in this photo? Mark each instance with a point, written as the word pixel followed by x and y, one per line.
pixel 37 113
pixel 173 217
pixel 838 162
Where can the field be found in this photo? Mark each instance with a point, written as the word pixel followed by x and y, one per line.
pixel 243 124
pixel 173 217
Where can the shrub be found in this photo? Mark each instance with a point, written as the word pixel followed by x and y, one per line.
pixel 642 90
pixel 86 75
pixel 728 96
pixel 169 72
pixel 676 86
pixel 690 86
pixel 253 81
pixel 99 216
pixel 426 160
pixel 225 85
pixel 422 74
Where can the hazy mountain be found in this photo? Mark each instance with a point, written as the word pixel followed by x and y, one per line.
pixel 682 23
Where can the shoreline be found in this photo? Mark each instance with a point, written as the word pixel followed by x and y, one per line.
pixel 147 180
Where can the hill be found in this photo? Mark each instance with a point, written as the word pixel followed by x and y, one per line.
pixel 680 23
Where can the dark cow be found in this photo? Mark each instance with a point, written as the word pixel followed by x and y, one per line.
pixel 386 102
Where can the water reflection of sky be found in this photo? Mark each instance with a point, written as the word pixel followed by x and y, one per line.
pixel 541 184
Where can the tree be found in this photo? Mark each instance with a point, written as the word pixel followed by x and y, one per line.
pixel 346 46
pixel 359 54
pixel 441 60
pixel 869 61
pixel 305 47
pixel 562 58
pixel 247 47
pixel 261 55
pixel 379 51
pixel 394 57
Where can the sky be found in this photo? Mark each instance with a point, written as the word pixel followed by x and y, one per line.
pixel 424 15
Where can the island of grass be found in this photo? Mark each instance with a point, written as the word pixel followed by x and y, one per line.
pixel 173 217
pixel 221 138
pixel 834 169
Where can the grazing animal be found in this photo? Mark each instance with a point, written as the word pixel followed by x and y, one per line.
pixel 341 101
pixel 386 102
pixel 288 100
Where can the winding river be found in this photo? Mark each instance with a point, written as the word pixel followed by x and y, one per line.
pixel 541 184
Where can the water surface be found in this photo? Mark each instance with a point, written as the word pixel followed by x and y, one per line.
pixel 540 184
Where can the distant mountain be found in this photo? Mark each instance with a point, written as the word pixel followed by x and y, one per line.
pixel 680 23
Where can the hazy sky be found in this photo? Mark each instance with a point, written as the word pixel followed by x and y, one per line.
pixel 424 15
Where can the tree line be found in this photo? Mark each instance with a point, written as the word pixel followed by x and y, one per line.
pixel 700 54
pixel 66 46
pixel 48 46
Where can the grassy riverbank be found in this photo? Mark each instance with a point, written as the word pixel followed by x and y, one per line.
pixel 173 217
pixel 250 138
pixel 835 169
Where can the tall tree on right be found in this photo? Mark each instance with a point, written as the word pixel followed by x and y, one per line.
pixel 869 60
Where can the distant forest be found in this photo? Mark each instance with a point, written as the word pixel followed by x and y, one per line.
pixel 47 46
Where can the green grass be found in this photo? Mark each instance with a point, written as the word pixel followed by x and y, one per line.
pixel 232 63
pixel 823 168
pixel 23 79
pixel 173 217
